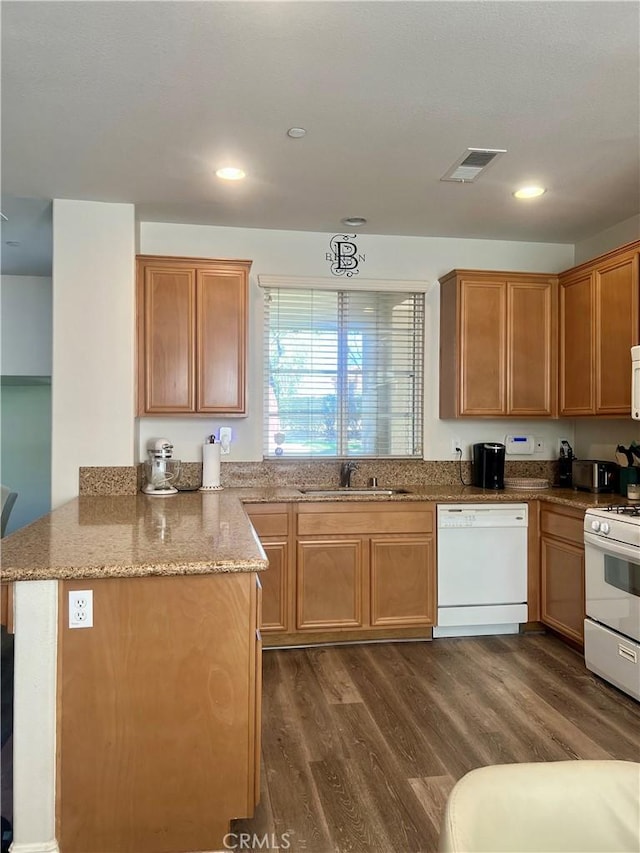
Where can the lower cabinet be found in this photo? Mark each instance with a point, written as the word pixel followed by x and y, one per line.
pixel 346 571
pixel 272 523
pixel 562 570
pixel 403 580
pixel 330 577
pixel 159 713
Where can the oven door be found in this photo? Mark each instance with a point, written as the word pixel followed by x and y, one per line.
pixel 612 584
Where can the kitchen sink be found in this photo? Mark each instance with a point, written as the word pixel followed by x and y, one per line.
pixel 351 492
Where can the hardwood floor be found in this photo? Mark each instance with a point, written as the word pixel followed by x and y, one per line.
pixel 362 744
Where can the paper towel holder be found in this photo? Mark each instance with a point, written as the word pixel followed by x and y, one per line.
pixel 211 466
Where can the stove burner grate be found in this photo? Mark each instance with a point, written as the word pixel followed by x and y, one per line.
pixel 625 509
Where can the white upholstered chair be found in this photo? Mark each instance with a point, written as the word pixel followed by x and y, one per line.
pixel 547 807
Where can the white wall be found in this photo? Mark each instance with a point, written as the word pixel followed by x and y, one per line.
pixel 25 310
pixel 93 340
pixel 598 438
pixel 611 238
pixel 303 253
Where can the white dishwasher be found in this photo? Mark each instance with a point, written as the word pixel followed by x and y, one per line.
pixel 482 569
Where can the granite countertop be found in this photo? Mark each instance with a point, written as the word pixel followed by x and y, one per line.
pixel 193 532
pixel 439 493
pixel 135 536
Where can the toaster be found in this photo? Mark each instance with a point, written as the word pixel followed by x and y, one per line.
pixel 594 476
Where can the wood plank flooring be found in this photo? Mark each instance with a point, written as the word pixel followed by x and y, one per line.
pixel 362 743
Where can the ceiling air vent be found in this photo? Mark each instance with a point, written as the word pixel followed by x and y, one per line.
pixel 474 161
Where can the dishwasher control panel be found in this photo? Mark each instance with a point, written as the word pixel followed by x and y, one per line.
pixel 456 521
pixel 482 515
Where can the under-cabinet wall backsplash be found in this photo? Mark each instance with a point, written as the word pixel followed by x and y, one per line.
pixel 127 481
pixel 598 438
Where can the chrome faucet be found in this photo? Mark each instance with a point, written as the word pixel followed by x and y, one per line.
pixel 346 471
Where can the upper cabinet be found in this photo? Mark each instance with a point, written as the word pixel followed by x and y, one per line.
pixel 192 335
pixel 599 323
pixel 498 335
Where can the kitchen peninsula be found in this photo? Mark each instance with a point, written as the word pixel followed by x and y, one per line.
pixel 143 732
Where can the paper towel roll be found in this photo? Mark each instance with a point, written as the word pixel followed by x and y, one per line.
pixel 210 467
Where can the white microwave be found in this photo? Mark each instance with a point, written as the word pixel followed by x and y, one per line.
pixel 635 383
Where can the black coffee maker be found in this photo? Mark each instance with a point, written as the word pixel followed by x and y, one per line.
pixel 488 465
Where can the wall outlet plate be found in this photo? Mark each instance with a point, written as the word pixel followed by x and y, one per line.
pixel 81 608
pixel 560 440
pixel 225 439
pixel 455 444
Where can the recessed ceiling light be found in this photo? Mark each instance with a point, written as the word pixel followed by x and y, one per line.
pixel 296 132
pixel 230 173
pixel 531 191
pixel 354 221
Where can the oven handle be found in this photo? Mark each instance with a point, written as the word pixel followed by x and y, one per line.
pixel 618 549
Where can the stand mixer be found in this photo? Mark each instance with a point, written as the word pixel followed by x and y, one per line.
pixel 160 469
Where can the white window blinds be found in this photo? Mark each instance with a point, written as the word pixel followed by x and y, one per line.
pixel 343 373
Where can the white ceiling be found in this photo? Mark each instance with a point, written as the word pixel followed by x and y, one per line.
pixel 141 101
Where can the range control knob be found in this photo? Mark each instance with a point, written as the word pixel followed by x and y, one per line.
pixel 595 525
pixel 604 527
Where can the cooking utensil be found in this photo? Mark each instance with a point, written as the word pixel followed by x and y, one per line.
pixel 622 459
pixel 624 456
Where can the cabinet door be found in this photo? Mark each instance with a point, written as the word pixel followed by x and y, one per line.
pixel 166 350
pixel 577 317
pixel 222 321
pixel 531 362
pixel 563 605
pixel 329 584
pixel 482 347
pixel 403 581
pixel 275 587
pixel 616 323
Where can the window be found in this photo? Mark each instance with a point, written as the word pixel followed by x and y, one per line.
pixel 343 373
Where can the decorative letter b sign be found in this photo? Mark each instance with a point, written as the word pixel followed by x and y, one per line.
pixel 344 256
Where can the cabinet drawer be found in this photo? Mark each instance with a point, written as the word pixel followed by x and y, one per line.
pixel 339 518
pixel 269 519
pixel 564 523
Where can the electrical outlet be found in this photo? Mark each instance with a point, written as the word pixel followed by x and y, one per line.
pixel 455 445
pixel 225 439
pixel 81 608
pixel 540 448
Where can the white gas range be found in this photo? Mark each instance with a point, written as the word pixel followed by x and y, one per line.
pixel 612 592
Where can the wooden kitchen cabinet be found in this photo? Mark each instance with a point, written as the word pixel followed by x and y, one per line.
pixel 330 575
pixel 159 713
pixel 562 570
pixel 365 570
pixel 599 323
pixel 403 580
pixel 272 523
pixel 192 335
pixel 497 344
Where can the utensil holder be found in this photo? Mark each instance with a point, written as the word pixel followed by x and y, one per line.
pixel 627 476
